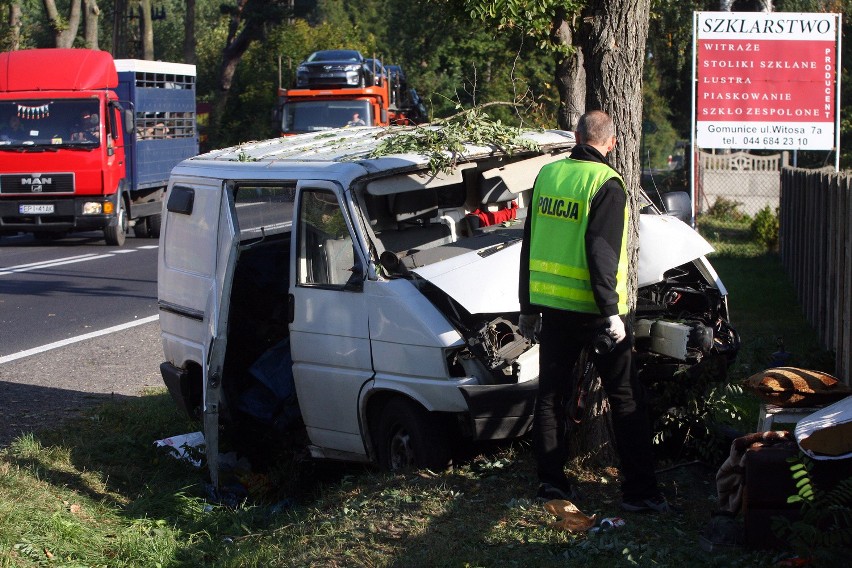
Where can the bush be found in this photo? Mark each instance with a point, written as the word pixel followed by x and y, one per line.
pixel 693 409
pixel 764 228
pixel 725 209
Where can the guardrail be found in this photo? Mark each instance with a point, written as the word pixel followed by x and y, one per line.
pixel 816 252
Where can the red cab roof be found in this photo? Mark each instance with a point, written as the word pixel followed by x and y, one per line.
pixel 56 70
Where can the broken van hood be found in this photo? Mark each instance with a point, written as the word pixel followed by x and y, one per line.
pixel 665 243
pixel 483 281
pixel 486 281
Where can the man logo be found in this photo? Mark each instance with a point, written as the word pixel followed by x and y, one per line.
pixel 36 183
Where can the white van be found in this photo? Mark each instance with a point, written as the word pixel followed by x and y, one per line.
pixel 373 300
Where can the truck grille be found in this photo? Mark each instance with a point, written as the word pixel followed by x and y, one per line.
pixel 36 183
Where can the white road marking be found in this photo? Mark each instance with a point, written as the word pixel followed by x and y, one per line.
pixel 70 340
pixel 51 264
pixel 69 260
pixel 49 261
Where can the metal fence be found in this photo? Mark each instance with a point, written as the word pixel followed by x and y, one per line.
pixel 745 180
pixel 816 251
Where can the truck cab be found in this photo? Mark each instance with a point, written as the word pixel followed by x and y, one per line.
pixel 309 282
pixel 87 143
pixel 313 110
pixel 387 102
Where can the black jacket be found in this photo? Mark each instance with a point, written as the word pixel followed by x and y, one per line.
pixel 603 240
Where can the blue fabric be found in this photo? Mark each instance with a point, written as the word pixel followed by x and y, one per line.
pixel 273 397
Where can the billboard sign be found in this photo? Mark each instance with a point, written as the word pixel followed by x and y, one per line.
pixel 766 80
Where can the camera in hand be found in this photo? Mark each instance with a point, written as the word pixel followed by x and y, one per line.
pixel 603 343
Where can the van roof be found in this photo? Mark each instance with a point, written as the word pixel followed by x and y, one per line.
pixel 347 145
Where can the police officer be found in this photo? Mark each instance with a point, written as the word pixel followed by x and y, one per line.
pixel 572 289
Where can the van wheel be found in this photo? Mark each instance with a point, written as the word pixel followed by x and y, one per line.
pixel 408 437
pixel 117 234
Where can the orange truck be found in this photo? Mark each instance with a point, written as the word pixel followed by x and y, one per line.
pixel 312 110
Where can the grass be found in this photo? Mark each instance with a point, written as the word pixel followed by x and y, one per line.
pixel 763 304
pixel 98 493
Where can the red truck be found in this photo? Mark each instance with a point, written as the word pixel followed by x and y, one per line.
pixel 88 142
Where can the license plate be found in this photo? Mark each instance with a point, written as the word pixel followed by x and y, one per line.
pixel 35 209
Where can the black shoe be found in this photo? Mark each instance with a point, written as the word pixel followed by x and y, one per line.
pixel 549 491
pixel 656 504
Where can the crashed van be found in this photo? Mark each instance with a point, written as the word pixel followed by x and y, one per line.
pixel 371 300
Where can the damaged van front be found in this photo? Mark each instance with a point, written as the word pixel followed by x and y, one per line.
pixel 308 282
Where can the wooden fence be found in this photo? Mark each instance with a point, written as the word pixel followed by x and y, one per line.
pixel 816 251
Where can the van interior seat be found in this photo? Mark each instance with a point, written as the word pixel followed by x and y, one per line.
pixel 340 258
pixel 418 223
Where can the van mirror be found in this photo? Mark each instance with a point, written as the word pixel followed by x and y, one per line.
pixel 677 204
pixel 391 263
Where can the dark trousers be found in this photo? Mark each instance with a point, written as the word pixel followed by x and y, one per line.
pixel 563 335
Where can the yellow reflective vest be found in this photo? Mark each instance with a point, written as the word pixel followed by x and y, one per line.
pixel 559 267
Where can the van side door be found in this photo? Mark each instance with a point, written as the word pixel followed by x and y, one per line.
pixel 329 327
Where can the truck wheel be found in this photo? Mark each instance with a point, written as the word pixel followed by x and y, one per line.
pixel 155 222
pixel 116 235
pixel 140 228
pixel 408 437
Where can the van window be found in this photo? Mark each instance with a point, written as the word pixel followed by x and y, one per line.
pixel 263 209
pixel 326 254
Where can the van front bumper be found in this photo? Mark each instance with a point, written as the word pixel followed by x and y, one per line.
pixel 500 411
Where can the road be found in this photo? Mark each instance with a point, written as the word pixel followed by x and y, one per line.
pixel 72 287
pixel 77 326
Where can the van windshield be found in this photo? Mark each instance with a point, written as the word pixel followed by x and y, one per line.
pixel 50 122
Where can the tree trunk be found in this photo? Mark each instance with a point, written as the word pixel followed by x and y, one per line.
pixel 614 48
pixel 614 35
pixel 147 30
pixel 189 33
pixel 14 40
pixel 570 74
pixel 64 32
pixel 90 23
pixel 237 43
